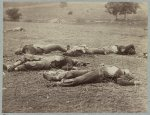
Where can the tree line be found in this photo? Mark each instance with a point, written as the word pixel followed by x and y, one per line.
pixel 114 8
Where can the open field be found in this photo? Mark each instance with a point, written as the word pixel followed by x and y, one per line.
pixel 29 92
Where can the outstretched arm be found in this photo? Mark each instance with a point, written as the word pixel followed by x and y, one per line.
pixel 124 81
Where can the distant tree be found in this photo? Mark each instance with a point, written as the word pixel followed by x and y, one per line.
pixel 13 14
pixel 63 4
pixel 121 8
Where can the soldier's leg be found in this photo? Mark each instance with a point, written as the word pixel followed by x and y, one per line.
pixel 10 68
pixel 88 77
pixel 51 76
pixel 21 67
pixel 22 60
pixel 33 65
pixel 73 74
pixel 16 64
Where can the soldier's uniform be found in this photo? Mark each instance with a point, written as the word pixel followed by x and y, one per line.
pixel 37 62
pixel 104 73
pixel 37 49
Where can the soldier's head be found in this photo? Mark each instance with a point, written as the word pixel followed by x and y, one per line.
pixel 131 51
pixel 18 52
pixel 68 47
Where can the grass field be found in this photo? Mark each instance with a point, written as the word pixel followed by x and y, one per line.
pixel 29 92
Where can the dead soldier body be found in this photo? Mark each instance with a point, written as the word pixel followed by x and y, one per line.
pixel 34 62
pixel 116 49
pixel 38 49
pixel 104 73
pixel 15 29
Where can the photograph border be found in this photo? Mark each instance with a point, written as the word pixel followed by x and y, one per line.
pixel 1 57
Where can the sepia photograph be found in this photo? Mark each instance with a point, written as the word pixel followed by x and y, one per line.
pixel 75 57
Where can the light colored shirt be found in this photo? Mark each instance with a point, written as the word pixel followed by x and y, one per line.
pixel 109 70
pixel 82 48
pixel 111 49
pixel 59 74
pixel 114 49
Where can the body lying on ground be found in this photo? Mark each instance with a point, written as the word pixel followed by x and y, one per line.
pixel 36 62
pixel 15 29
pixel 116 49
pixel 104 73
pixel 37 49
